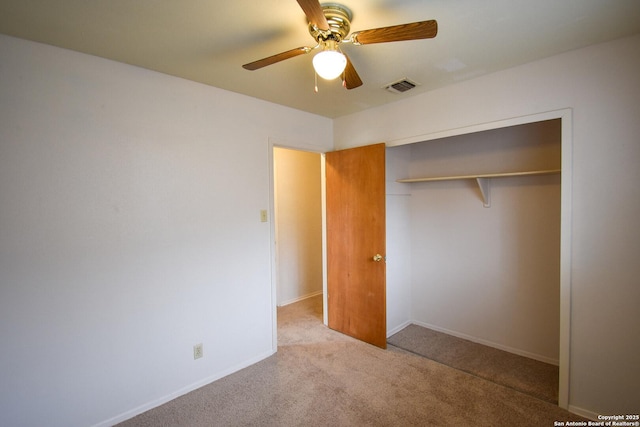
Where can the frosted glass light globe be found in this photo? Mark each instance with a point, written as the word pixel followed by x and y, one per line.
pixel 329 64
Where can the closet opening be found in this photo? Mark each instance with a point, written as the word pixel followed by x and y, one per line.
pixel 488 209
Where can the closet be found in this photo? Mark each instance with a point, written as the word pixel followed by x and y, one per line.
pixel 473 238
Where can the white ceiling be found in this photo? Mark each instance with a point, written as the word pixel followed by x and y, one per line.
pixel 208 41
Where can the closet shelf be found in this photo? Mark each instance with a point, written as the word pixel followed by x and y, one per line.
pixel 481 179
pixel 485 175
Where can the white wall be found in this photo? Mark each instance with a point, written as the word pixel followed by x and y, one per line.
pixel 489 274
pixel 129 231
pixel 601 85
pixel 298 206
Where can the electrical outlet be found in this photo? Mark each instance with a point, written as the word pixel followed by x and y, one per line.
pixel 197 351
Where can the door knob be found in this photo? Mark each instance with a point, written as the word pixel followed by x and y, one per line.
pixel 377 257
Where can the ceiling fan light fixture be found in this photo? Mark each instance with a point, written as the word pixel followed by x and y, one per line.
pixel 330 25
pixel 330 63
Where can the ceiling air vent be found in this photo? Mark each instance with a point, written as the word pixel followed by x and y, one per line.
pixel 401 86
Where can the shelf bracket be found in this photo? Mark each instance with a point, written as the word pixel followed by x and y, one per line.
pixel 483 183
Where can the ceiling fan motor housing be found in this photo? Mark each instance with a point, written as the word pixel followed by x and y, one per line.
pixel 339 19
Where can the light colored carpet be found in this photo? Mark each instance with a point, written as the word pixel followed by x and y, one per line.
pixel 322 378
pixel 529 376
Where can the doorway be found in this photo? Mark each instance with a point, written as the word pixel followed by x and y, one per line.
pixel 302 192
pixel 297 225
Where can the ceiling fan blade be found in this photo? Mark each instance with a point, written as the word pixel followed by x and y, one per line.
pixel 276 58
pixel 396 33
pixel 314 13
pixel 351 77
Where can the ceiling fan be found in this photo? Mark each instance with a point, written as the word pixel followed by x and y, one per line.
pixel 329 25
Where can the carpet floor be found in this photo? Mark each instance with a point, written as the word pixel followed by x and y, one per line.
pixel 320 377
pixel 520 373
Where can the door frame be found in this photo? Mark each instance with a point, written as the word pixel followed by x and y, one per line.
pixel 566 129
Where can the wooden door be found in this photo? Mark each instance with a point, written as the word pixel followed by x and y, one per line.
pixel 356 289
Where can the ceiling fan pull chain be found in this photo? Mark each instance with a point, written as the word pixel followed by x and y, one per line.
pixel 315 89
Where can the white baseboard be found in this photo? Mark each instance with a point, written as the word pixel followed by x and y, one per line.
pixel 519 352
pixel 161 401
pixel 398 328
pixel 298 299
pixel 583 413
